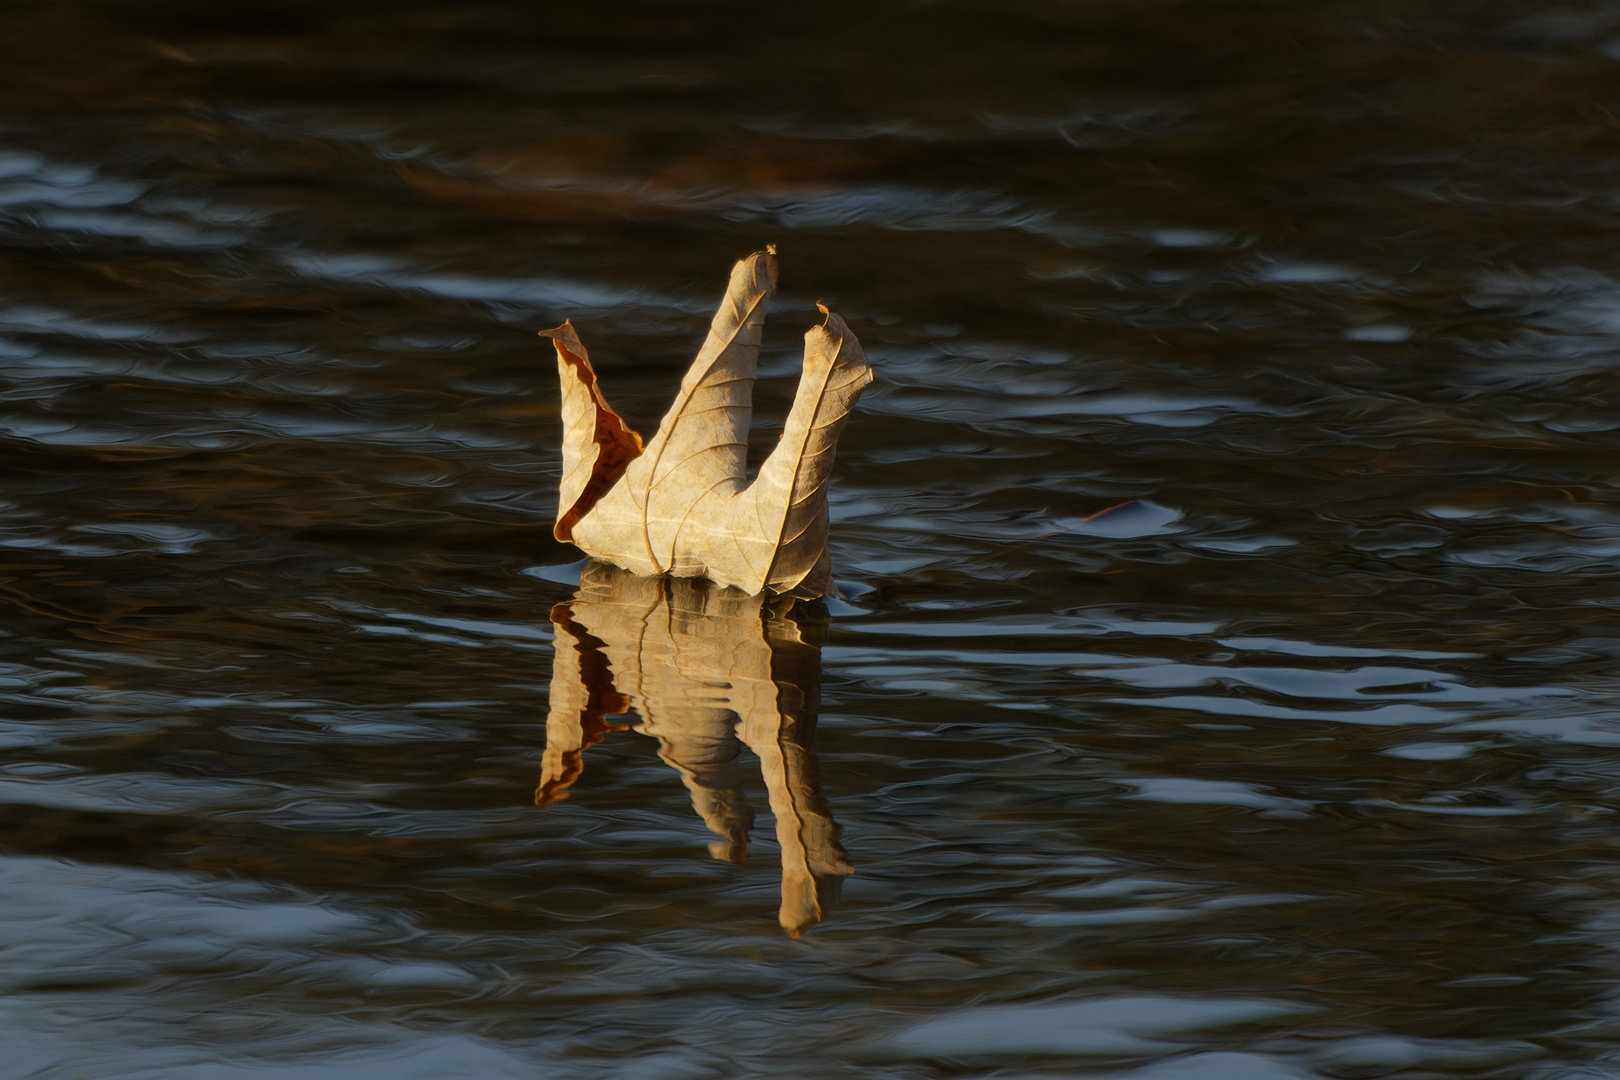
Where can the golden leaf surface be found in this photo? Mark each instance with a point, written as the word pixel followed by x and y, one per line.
pixel 682 505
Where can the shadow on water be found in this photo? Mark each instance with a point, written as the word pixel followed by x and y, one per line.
pixel 709 671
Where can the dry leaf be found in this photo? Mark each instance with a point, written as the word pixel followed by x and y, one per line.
pixel 683 505
pixel 708 671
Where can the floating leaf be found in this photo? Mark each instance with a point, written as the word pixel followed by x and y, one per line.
pixel 682 505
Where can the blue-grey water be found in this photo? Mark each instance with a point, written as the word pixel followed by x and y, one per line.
pixel 1226 684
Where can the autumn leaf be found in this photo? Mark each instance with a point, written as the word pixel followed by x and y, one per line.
pixel 682 504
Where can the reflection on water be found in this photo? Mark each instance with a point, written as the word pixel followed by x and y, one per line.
pixel 709 671
pixel 1300 761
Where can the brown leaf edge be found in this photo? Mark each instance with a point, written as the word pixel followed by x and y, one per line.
pixel 617 445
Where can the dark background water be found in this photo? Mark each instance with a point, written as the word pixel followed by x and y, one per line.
pixel 1306 764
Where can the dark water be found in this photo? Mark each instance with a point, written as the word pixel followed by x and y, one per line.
pixel 1304 764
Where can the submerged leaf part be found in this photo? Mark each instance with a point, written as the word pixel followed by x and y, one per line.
pixel 683 505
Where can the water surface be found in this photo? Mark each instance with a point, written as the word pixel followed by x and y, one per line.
pixel 1225 684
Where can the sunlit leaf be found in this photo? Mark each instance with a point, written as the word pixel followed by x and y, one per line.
pixel 682 505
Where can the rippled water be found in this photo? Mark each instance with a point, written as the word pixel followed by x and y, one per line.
pixel 1225 686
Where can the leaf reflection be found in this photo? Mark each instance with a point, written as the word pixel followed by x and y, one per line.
pixel 708 671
